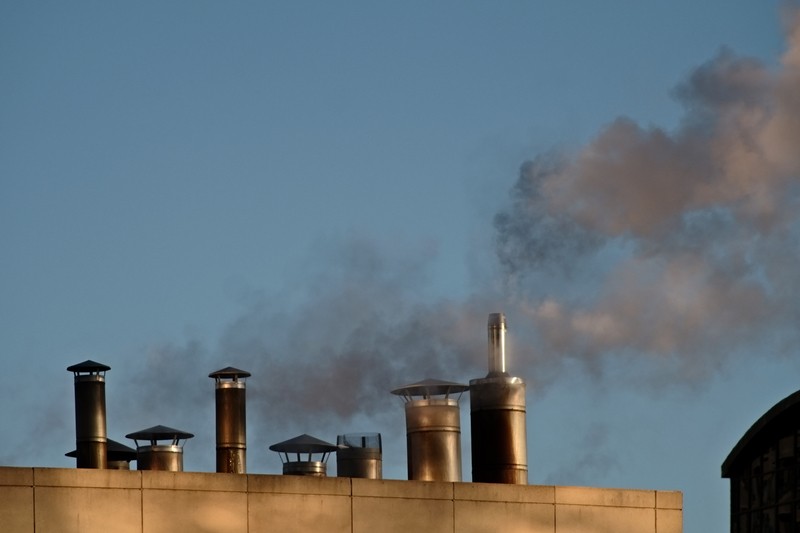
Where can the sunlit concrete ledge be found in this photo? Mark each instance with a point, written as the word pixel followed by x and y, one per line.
pixel 94 501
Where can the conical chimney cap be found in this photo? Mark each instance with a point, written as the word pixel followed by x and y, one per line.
pixel 304 444
pixel 88 366
pixel 229 372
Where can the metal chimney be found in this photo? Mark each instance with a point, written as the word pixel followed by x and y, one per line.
pixel 231 420
pixel 155 456
pixel 304 448
pixel 497 409
pixel 359 455
pixel 90 414
pixel 433 429
pixel 119 456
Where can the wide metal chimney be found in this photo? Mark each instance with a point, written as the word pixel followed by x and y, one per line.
pixel 231 420
pixel 155 456
pixel 433 429
pixel 304 455
pixel 497 410
pixel 91 440
pixel 359 455
pixel 119 456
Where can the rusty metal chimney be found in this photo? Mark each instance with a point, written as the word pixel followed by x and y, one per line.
pixel 433 429
pixel 309 455
pixel 497 410
pixel 155 456
pixel 91 440
pixel 231 420
pixel 359 455
pixel 119 456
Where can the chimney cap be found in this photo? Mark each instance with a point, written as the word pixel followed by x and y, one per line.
pixel 116 452
pixel 430 387
pixel 229 372
pixel 304 444
pixel 88 366
pixel 159 433
pixel 497 320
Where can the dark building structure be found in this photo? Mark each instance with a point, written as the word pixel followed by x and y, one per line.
pixel 765 472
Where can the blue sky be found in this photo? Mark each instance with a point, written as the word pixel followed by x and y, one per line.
pixel 310 192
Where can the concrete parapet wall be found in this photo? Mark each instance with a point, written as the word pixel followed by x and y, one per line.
pixel 45 500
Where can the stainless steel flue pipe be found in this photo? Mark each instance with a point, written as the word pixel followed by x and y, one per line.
pixel 433 429
pixel 91 439
pixel 497 415
pixel 231 420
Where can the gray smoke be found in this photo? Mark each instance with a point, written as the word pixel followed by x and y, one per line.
pixel 323 361
pixel 674 243
pixel 689 238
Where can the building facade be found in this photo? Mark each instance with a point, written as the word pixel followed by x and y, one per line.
pixel 55 500
pixel 764 472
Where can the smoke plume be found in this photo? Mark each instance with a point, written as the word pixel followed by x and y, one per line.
pixel 689 237
pixel 322 359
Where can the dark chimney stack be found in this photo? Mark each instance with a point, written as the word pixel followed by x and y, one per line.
pixel 497 409
pixel 231 420
pixel 91 440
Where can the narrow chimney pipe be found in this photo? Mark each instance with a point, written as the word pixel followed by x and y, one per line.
pixel 231 420
pixel 497 343
pixel 91 439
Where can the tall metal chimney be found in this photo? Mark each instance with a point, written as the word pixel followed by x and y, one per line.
pixel 155 456
pixel 304 455
pixel 433 429
pixel 359 455
pixel 91 440
pixel 231 420
pixel 497 409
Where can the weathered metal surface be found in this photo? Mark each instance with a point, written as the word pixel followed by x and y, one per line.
pixel 359 455
pixel 90 414
pixel 497 343
pixel 497 417
pixel 298 454
pixel 498 430
pixel 167 457
pixel 433 439
pixel 231 420
pixel 155 456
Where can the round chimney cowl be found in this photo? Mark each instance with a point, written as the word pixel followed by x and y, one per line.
pixel 88 367
pixel 119 456
pixel 359 455
pixel 155 456
pixel 230 373
pixel 433 429
pixel 304 448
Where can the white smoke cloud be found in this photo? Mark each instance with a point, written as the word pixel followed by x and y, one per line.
pixel 701 223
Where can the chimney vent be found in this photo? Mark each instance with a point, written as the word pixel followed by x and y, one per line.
pixel 155 456
pixel 231 420
pixel 433 429
pixel 497 413
pixel 359 455
pixel 91 440
pixel 304 455
pixel 119 456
